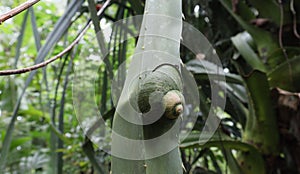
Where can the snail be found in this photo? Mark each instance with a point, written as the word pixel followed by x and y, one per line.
pixel 160 92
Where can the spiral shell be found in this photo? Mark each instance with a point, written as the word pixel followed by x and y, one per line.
pixel 160 90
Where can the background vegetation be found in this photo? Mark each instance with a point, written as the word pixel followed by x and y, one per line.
pixel 257 42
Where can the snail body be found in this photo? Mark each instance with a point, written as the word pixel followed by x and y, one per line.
pixel 173 104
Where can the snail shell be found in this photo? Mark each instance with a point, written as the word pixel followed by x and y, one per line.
pixel 161 88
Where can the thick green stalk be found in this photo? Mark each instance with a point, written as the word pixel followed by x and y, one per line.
pixel 145 126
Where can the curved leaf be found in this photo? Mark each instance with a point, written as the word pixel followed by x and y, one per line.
pixel 263 39
pixel 202 70
pixel 286 75
pixel 247 52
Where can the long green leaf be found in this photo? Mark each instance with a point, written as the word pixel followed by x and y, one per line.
pixel 53 136
pixel 267 9
pixel 35 31
pixel 20 38
pixel 100 36
pixel 59 134
pixel 60 144
pixel 247 52
pixel 19 141
pixel 230 144
pixel 89 151
pixel 232 162
pixel 252 154
pixel 194 138
pixel 137 6
pixel 203 70
pixel 278 57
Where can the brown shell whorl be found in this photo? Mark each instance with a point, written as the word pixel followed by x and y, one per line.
pixel 173 104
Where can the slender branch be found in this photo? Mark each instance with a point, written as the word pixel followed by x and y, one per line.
pixel 281 40
pixel 280 33
pixel 104 6
pixel 17 10
pixel 40 65
pixel 294 19
pixel 43 64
